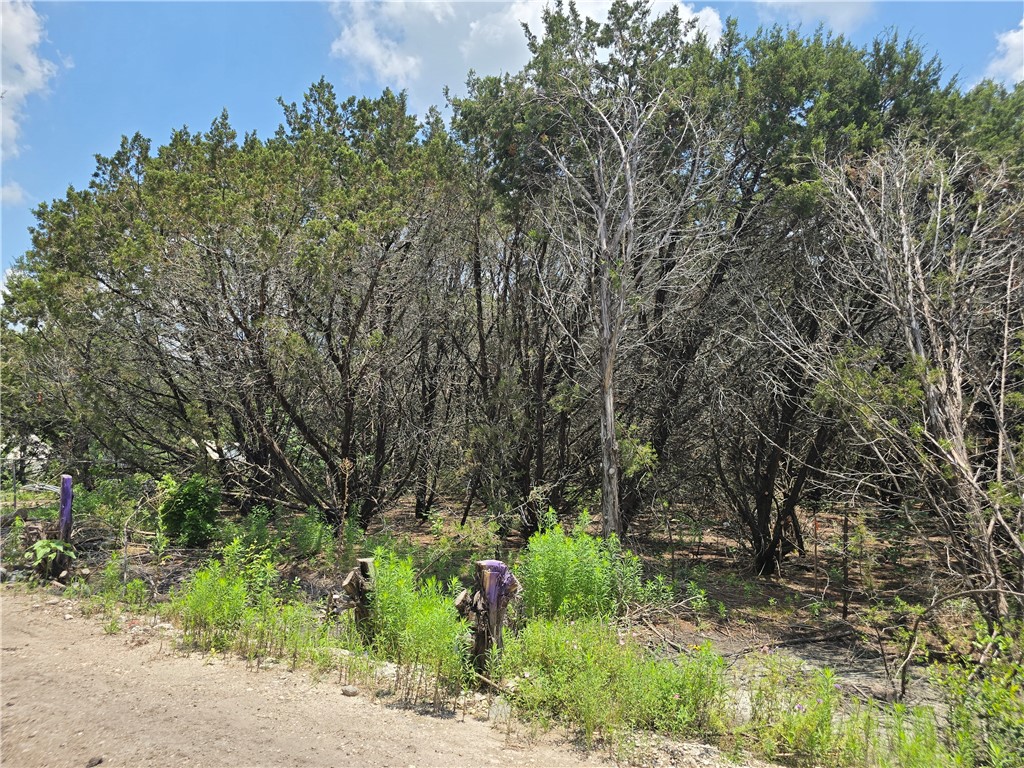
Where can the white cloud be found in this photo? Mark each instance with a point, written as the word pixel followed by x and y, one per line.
pixel 1007 63
pixel 424 46
pixel 12 193
pixel 370 37
pixel 23 71
pixel 839 15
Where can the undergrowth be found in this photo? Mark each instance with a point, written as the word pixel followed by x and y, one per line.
pixel 568 659
pixel 578 575
pixel 584 674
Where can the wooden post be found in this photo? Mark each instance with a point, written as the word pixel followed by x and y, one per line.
pixel 358 585
pixel 66 495
pixel 495 586
pixel 64 524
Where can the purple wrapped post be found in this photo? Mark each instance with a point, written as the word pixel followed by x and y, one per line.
pixel 500 583
pixel 65 507
pixel 496 586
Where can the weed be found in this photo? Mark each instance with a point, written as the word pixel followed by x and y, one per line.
pixel 136 595
pixel 418 626
pixel 189 510
pixel 309 536
pixel 792 713
pixel 583 674
pixel 44 552
pixel 986 706
pixel 16 538
pixel 581 575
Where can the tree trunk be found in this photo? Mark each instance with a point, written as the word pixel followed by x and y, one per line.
pixel 610 511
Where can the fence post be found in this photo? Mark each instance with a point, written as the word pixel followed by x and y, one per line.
pixel 66 495
pixel 494 588
pixel 358 585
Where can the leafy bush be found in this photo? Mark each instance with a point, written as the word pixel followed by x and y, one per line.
pixel 211 606
pixel 579 575
pixel 793 714
pixel 986 709
pixel 212 603
pixel 44 552
pixel 189 510
pixel 309 536
pixel 581 673
pixel 417 626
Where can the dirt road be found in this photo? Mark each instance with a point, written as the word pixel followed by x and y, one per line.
pixel 72 694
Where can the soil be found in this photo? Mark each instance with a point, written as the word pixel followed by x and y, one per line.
pixel 73 695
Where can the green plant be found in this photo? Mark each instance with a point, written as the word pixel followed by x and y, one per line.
pixel 581 575
pixel 583 674
pixel 189 510
pixel 416 624
pixel 986 704
pixel 793 713
pixel 210 606
pixel 308 536
pixel 112 578
pixel 16 537
pixel 44 552
pixel 696 597
pixel 136 595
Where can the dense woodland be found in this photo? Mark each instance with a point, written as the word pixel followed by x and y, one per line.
pixel 645 274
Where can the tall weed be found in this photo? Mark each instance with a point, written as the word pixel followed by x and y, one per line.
pixel 417 626
pixel 579 575
pixel 582 674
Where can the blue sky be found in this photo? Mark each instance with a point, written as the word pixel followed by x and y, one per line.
pixel 78 75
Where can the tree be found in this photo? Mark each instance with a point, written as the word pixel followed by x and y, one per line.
pixel 936 393
pixel 620 184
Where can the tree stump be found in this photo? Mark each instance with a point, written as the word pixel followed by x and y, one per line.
pixel 494 588
pixel 358 586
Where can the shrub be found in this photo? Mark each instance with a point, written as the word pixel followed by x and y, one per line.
pixel 418 626
pixel 309 536
pixel 212 603
pixel 579 575
pixel 189 510
pixel 211 606
pixel 581 673
pixel 986 709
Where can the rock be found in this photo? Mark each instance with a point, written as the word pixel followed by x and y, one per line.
pixel 53 601
pixel 93 762
pixel 349 690
pixel 68 617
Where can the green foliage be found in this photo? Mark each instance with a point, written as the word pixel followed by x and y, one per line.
pixel 585 675
pixel 111 499
pixel 136 595
pixel 793 714
pixel 212 603
pixel 189 510
pixel 803 719
pixel 986 706
pixel 210 606
pixel 14 542
pixel 42 553
pixel 308 536
pixel 580 575
pixel 417 625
